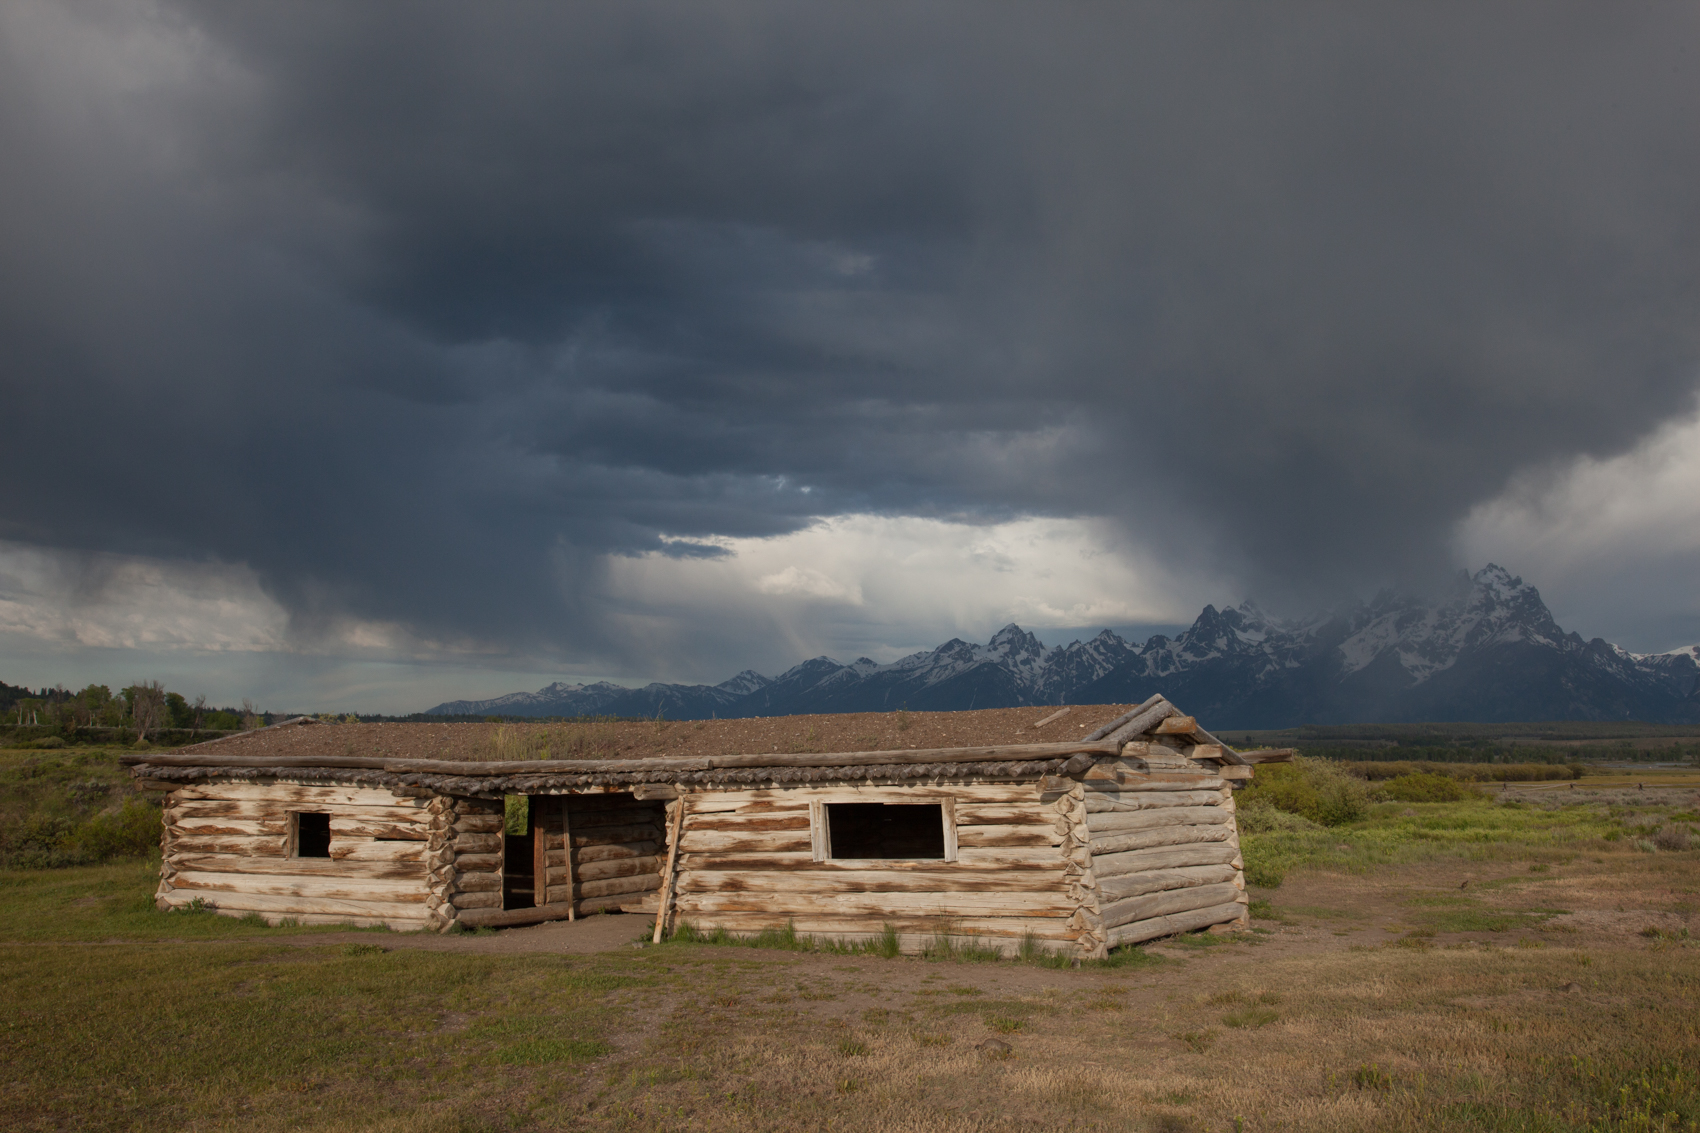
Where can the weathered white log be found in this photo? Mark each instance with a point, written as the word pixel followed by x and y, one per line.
pixel 969 859
pixel 478 883
pixel 291 793
pixel 1142 782
pixel 1156 881
pixel 228 827
pixel 1099 802
pixel 1164 857
pixel 614 886
pixel 767 799
pixel 751 823
pixel 303 867
pixel 924 928
pixel 274 846
pixel 1001 814
pixel 868 881
pixel 722 842
pixel 349 888
pixel 479 824
pixel 1116 820
pixel 1057 715
pixel 982 837
pixel 1268 755
pixel 692 905
pixel 1237 774
pixel 355 826
pixel 1121 721
pixel 332 907
pixel 1139 931
pixel 508 918
pixel 179 810
pixel 1115 843
pixel 1149 905
pixel 597 871
pixel 675 839
pixel 478 863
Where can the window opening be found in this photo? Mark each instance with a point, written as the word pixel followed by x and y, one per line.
pixel 312 835
pixel 885 830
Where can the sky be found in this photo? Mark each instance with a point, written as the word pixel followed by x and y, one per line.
pixel 359 357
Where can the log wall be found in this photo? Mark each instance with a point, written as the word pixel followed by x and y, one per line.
pixel 747 862
pixel 229 846
pixel 1156 835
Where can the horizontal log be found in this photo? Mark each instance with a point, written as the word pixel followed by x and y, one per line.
pixel 353 826
pixel 302 867
pixel 508 918
pixel 978 837
pixel 373 850
pixel 1027 813
pixel 393 923
pixel 614 901
pixel 968 860
pixel 478 843
pixel 924 928
pixel 224 827
pixel 477 900
pixel 1157 880
pixel 873 881
pixel 283 808
pixel 1140 931
pixel 655 791
pixel 192 758
pixel 291 793
pixel 721 842
pixel 749 823
pixel 1268 755
pixel 1123 820
pixel 615 835
pixel 332 907
pixel 616 816
pixel 584 855
pixel 479 823
pixel 480 882
pixel 1104 801
pixel 271 845
pixel 1115 842
pixel 693 905
pixel 345 888
pixel 615 886
pixel 1164 857
pixel 762 799
pixel 1237 774
pixel 1150 905
pixel 1175 726
pixel 478 863
pixel 1143 781
pixel 597 871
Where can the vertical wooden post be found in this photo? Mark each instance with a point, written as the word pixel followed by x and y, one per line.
pixel 672 861
pixel 567 856
pixel 539 808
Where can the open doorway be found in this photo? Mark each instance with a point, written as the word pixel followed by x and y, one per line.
pixel 519 846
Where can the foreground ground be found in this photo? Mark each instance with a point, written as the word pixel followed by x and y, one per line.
pixel 1516 963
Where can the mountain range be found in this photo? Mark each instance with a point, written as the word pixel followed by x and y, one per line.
pixel 1488 650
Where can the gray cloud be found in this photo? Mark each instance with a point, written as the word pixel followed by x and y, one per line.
pixel 420 310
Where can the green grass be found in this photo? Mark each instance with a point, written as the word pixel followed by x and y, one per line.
pixel 1402 833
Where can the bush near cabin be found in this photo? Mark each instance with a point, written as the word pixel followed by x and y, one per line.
pixel 1317 790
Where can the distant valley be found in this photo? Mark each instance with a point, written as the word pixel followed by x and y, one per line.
pixel 1488 651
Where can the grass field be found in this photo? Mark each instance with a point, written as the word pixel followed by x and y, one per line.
pixel 1501 963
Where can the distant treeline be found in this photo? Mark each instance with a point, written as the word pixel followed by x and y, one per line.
pixel 1561 742
pixel 95 714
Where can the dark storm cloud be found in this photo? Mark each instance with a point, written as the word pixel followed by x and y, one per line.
pixel 422 309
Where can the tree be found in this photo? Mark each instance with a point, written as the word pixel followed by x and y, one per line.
pixel 200 713
pixel 147 707
pixel 250 719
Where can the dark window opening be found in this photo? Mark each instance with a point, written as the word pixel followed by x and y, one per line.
pixel 885 830
pixel 312 835
pixel 519 876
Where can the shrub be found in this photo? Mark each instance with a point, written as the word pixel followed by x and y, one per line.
pixel 1672 838
pixel 1259 816
pixel 1423 787
pixel 50 842
pixel 1311 788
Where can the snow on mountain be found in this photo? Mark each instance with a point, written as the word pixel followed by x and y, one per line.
pixel 1488 649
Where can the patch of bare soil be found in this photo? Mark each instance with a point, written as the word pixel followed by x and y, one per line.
pixel 861 731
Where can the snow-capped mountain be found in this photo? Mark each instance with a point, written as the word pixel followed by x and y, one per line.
pixel 1488 650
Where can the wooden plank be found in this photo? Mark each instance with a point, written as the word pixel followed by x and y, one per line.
pixel 1141 931
pixel 968 859
pixel 1157 880
pixel 820 841
pixel 1115 842
pixel 675 838
pixel 1102 801
pixel 302 867
pixel 981 837
pixel 720 842
pixel 292 793
pixel 1149 905
pixel 1122 820
pixel 952 842
pixel 354 826
pixel 872 881
pixel 346 888
pixel 273 808
pixel 1163 857
pixel 1057 715
pixel 948 905
pixel 601 871
pixel 333 907
pixel 1027 813
pixel 1175 726
pixel 1012 928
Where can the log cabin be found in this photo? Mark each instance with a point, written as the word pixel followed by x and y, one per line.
pixel 1123 834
